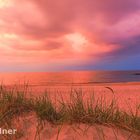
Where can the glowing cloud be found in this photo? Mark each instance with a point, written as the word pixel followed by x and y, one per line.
pixel 5 3
pixel 77 41
pixel 53 33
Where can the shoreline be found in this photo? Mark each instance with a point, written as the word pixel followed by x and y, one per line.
pixel 74 84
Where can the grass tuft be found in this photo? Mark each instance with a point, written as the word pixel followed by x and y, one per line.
pixel 14 103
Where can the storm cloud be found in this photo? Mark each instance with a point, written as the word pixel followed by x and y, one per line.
pixel 46 32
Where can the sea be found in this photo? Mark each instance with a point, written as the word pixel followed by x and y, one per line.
pixel 68 77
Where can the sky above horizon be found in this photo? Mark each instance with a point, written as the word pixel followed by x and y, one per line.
pixel 57 35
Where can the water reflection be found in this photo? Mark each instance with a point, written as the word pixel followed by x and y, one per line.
pixel 66 78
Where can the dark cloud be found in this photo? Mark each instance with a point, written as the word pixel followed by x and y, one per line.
pixel 130 46
pixel 125 48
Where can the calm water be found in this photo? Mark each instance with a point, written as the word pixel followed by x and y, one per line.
pixel 66 78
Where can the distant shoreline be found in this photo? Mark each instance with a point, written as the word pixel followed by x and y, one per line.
pixel 75 84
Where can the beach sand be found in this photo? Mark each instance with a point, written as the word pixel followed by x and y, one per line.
pixel 126 94
pixel 73 132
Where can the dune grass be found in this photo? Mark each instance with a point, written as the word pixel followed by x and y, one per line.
pixel 14 103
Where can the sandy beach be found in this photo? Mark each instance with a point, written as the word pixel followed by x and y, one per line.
pixel 127 96
pixel 69 69
pixel 125 93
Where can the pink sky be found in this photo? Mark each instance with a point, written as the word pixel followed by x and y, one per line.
pixel 46 34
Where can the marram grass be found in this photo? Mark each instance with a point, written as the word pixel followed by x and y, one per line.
pixel 14 103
